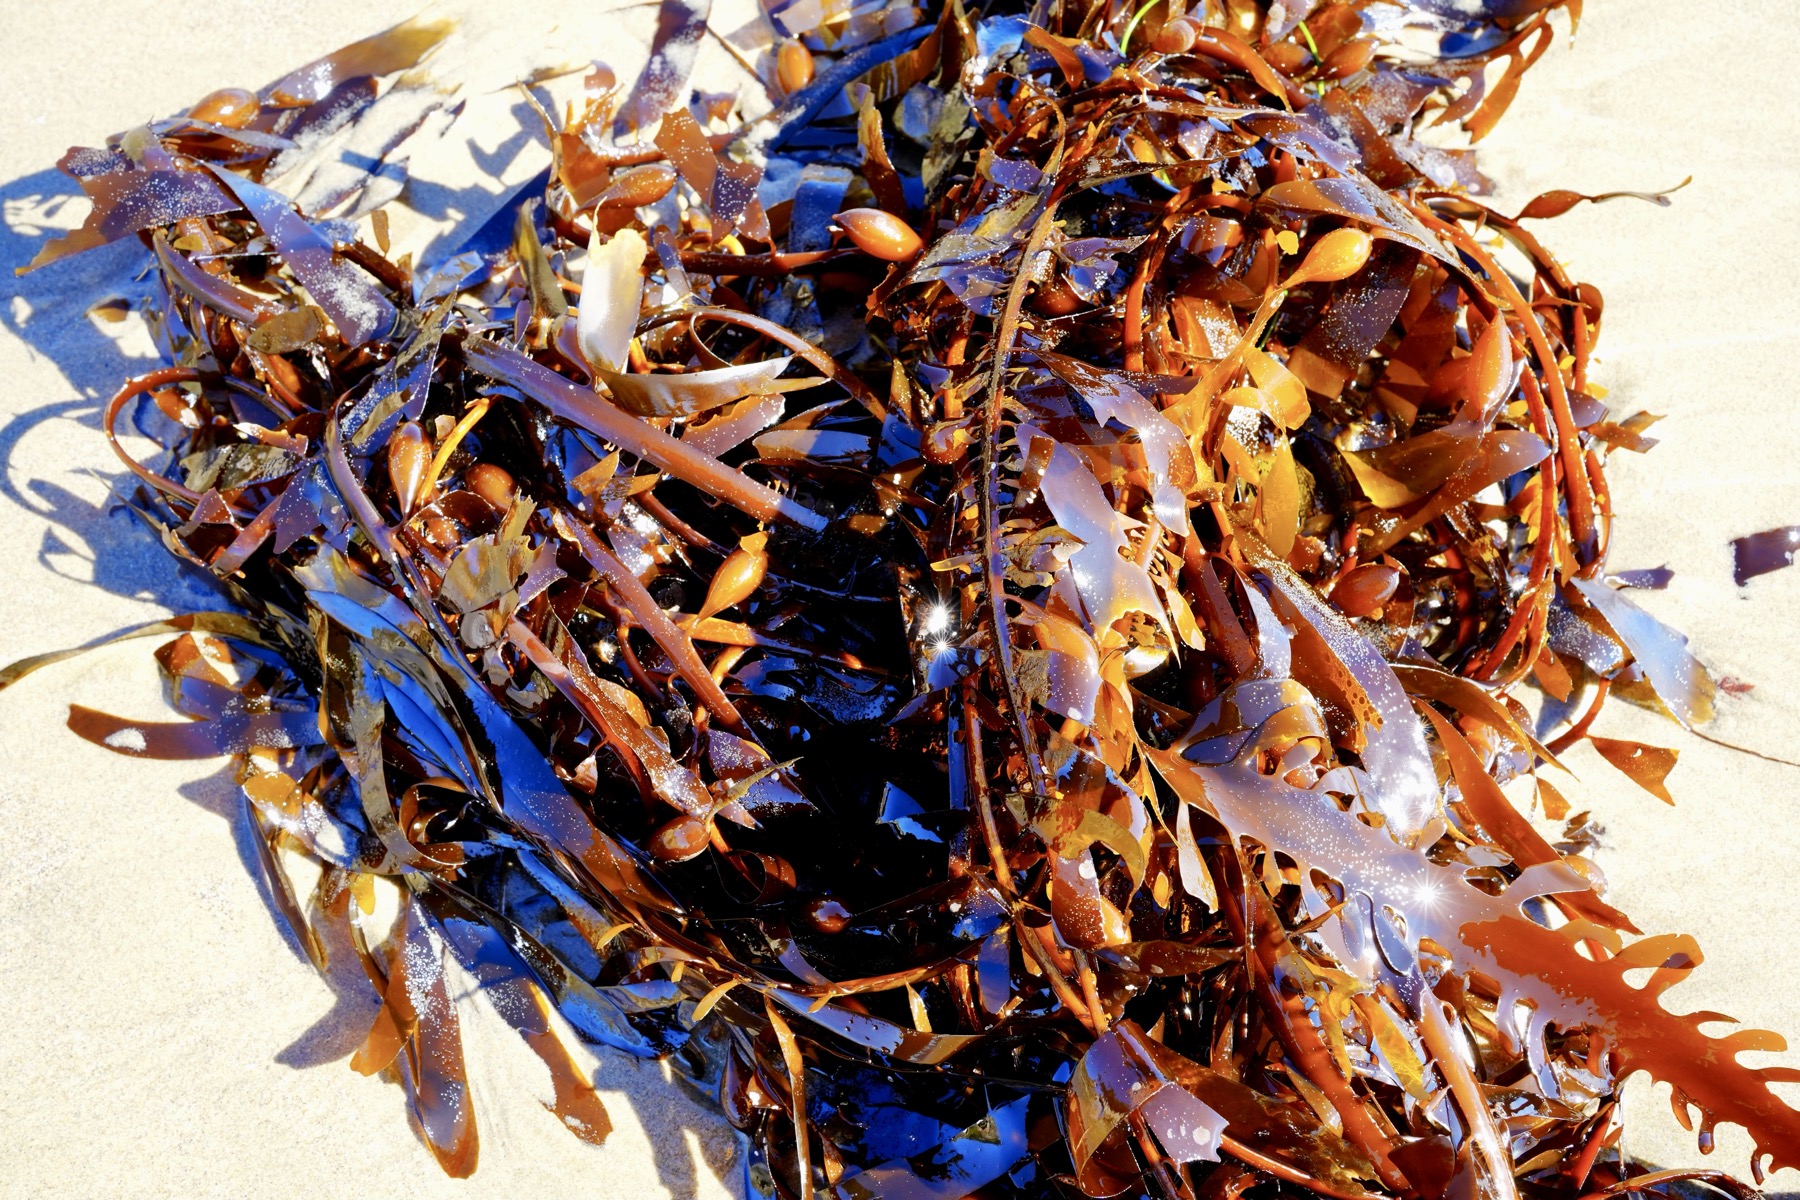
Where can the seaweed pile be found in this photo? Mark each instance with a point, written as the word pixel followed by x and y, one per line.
pixel 986 612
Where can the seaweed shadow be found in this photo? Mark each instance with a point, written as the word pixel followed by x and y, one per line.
pixel 47 311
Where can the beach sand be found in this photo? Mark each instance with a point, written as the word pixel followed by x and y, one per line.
pixel 162 1034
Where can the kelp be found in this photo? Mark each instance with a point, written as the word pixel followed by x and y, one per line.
pixel 1759 553
pixel 992 614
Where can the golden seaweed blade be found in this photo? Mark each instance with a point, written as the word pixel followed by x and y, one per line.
pixel 995 591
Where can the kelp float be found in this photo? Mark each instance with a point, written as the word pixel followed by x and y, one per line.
pixel 985 611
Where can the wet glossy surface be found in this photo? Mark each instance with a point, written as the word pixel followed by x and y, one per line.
pixel 1014 753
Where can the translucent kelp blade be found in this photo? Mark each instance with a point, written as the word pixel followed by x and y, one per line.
pixel 516 994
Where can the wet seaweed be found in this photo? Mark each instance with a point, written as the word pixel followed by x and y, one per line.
pixel 984 613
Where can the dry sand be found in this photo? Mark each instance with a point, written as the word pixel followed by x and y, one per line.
pixel 162 1035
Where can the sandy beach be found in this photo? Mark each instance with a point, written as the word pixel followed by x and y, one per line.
pixel 164 1035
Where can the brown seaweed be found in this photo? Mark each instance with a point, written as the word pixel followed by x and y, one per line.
pixel 1019 635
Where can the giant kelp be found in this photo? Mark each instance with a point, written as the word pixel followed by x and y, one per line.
pixel 983 611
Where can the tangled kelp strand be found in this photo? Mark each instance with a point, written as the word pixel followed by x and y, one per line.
pixel 989 624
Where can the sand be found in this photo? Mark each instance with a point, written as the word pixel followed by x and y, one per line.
pixel 163 1036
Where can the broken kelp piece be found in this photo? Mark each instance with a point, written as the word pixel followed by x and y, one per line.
pixel 1759 553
